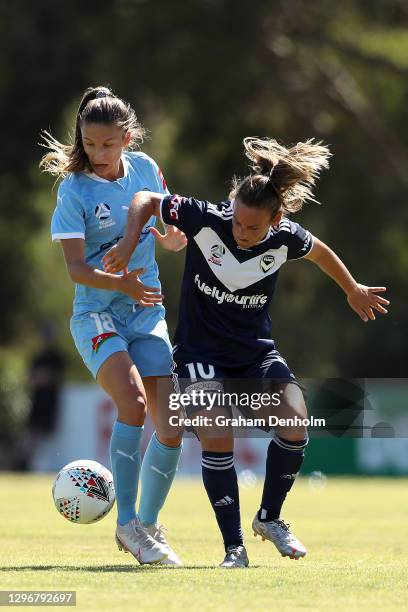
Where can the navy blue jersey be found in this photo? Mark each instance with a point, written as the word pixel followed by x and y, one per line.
pixel 227 290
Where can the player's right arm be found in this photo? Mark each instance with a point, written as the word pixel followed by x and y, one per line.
pixel 130 284
pixel 144 205
pixel 186 214
pixel 68 226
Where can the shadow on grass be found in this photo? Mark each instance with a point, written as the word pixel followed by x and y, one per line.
pixel 106 568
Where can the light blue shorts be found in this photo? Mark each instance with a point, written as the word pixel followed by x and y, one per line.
pixel 142 332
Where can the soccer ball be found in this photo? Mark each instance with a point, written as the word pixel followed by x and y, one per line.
pixel 83 491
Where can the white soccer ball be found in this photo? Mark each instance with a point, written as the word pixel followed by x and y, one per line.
pixel 83 491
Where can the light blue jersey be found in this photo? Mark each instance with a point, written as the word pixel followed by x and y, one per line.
pixel 105 322
pixel 96 210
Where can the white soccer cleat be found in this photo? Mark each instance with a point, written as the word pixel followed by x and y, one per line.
pixel 236 557
pixel 278 533
pixel 157 533
pixel 134 538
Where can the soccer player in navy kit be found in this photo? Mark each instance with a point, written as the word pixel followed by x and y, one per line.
pixel 118 323
pixel 234 254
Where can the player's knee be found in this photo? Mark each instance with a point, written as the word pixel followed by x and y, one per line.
pixel 292 434
pixel 294 416
pixel 132 406
pixel 294 412
pixel 217 445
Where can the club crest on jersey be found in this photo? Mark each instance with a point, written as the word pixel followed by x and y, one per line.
pixel 217 253
pixel 103 214
pixel 267 262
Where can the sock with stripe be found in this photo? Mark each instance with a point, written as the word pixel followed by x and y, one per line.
pixel 283 462
pixel 159 467
pixel 221 484
pixel 125 462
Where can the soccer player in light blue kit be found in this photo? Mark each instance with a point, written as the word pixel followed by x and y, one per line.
pixel 118 322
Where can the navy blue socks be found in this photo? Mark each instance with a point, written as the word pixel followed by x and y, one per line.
pixel 221 484
pixel 283 462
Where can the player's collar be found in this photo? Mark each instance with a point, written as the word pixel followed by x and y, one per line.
pixel 95 177
pixel 268 235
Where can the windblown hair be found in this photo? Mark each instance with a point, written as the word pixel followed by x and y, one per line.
pixel 98 105
pixel 281 178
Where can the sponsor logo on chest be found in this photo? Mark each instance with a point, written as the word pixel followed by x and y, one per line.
pixel 221 297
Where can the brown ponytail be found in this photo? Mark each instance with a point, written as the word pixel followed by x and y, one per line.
pixel 98 105
pixel 281 178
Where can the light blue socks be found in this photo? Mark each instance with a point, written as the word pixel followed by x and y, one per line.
pixel 125 461
pixel 158 470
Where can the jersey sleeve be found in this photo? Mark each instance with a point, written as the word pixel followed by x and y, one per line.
pixel 159 179
pixel 157 182
pixel 188 214
pixel 68 220
pixel 298 240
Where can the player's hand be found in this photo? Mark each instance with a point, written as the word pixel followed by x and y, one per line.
pixel 117 258
pixel 173 240
pixel 131 284
pixel 363 300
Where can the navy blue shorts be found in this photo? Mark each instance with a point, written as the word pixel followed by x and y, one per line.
pixel 190 369
pixel 266 375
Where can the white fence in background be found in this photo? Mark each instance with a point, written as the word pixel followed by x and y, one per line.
pixel 87 414
pixel 84 428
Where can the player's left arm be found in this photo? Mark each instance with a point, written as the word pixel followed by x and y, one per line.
pixel 362 299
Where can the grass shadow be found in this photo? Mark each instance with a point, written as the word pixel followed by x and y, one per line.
pixel 107 568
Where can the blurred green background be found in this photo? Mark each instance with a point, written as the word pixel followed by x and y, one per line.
pixel 202 75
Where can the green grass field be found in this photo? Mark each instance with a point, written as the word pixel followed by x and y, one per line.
pixel 356 532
